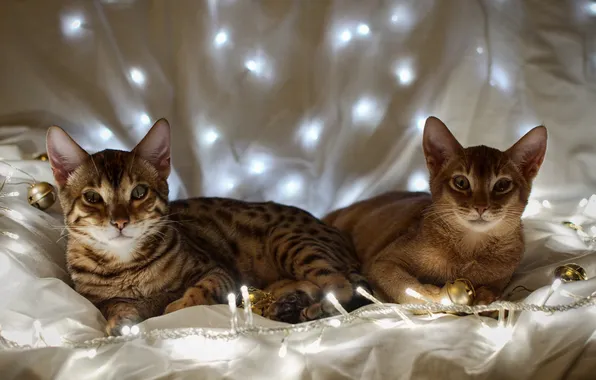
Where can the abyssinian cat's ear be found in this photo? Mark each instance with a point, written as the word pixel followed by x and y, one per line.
pixel 64 154
pixel 529 151
pixel 155 147
pixel 438 144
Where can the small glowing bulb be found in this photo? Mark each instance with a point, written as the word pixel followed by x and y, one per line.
pixel 257 167
pixel 405 76
pixel 134 330
pixel 137 76
pixel 363 108
pixel 125 330
pixel 418 182
pixel 363 29
pixel 145 120
pixel 244 291
pixel 334 322
pixel 229 184
pixel 583 203
pixel 75 24
pixel 211 136
pixel 312 132
pixel 546 204
pixel 479 50
pixel 220 38
pixel 292 187
pixel 251 65
pixel 283 350
pixel 556 284
pixel 105 133
pixel 232 301
pixel 345 36
pixel 420 124
pixel 412 293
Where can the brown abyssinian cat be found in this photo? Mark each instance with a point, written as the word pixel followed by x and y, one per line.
pixel 469 226
pixel 135 255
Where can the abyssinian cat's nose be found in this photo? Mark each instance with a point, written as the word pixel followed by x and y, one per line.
pixel 120 223
pixel 480 209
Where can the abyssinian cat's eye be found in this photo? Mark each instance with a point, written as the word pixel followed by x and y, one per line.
pixel 135 255
pixel 469 226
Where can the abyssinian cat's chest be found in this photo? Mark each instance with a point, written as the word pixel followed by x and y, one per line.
pixel 438 265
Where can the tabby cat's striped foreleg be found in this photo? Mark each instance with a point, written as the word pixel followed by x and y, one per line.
pixel 319 260
pixel 211 289
pixel 292 300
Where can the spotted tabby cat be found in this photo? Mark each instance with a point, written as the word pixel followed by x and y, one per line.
pixel 135 256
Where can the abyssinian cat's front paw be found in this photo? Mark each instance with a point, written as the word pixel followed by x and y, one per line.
pixel 117 322
pixel 427 292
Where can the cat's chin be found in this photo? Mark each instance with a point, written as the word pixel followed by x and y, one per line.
pixel 480 225
pixel 121 240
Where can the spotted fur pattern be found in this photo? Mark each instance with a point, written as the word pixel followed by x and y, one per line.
pixel 138 258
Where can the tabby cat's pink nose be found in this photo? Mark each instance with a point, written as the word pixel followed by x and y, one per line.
pixel 119 223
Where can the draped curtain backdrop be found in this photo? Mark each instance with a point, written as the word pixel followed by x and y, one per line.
pixel 315 103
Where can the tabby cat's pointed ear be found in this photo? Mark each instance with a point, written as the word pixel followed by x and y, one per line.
pixel 439 144
pixel 64 154
pixel 155 147
pixel 529 151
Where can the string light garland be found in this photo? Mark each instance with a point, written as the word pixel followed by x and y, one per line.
pixel 367 314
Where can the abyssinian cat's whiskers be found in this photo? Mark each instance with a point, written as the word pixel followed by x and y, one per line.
pixel 469 227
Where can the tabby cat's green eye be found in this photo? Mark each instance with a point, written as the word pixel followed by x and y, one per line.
pixel 139 192
pixel 460 182
pixel 92 196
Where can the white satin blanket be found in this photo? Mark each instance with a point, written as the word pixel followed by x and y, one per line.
pixel 316 103
pixel 48 330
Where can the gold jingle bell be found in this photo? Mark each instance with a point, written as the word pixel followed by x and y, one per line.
pixel 260 300
pixel 570 272
pixel 459 292
pixel 41 195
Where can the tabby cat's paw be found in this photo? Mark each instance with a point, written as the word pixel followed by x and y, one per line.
pixel 288 308
pixel 116 323
pixel 179 304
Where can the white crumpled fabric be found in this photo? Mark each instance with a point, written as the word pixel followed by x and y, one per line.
pixel 38 308
pixel 316 103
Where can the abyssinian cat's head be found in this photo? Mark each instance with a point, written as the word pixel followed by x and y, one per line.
pixel 112 200
pixel 481 188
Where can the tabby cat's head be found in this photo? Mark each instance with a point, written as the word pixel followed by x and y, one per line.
pixel 481 188
pixel 112 200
